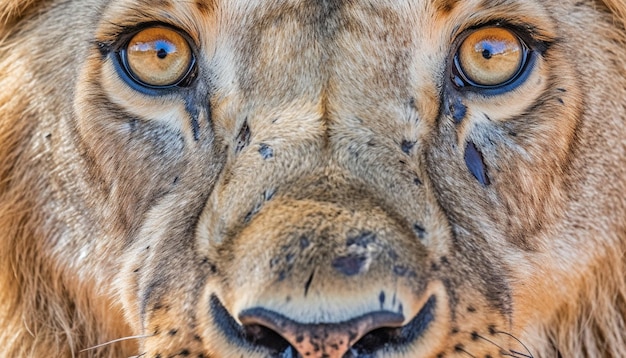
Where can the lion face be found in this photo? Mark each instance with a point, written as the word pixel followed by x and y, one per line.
pixel 326 178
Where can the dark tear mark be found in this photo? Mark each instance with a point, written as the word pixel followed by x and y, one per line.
pixel 308 282
pixel 350 264
pixel 194 113
pixel 407 146
pixel 195 127
pixel 243 138
pixel 475 163
pixel 266 151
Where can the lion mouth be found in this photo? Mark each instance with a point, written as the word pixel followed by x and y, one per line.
pixel 282 337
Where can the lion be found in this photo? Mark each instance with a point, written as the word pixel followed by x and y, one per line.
pixel 293 178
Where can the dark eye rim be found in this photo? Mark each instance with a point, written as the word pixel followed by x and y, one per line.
pixel 120 62
pixel 463 83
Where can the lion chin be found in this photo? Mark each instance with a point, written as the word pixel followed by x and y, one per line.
pixel 312 178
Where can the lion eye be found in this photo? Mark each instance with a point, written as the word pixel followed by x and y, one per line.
pixel 158 57
pixel 490 57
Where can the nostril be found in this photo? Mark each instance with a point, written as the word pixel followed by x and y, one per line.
pixel 361 336
pixel 378 339
pixel 261 336
pixel 383 337
pixel 329 340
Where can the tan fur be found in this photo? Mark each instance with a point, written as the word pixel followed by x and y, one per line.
pixel 121 217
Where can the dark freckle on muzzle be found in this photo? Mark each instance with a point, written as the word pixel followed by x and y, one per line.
pixel 304 242
pixel 349 265
pixel 266 151
pixel 407 146
pixel 362 239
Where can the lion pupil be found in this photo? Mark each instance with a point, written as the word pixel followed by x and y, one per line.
pixel 487 54
pixel 161 53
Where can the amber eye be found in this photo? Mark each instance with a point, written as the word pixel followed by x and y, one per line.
pixel 490 57
pixel 158 57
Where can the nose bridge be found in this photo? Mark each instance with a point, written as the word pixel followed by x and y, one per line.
pixel 323 210
pixel 322 135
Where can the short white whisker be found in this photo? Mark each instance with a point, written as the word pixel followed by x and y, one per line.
pixel 114 341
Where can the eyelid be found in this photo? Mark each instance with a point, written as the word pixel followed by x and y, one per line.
pixel 530 55
pixel 119 55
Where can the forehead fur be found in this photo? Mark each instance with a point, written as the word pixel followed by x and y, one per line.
pixel 12 10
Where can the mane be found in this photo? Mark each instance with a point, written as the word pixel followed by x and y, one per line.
pixel 34 312
pixel 592 324
pixel 38 315
pixel 618 8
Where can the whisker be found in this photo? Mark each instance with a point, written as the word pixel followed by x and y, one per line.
pixel 515 354
pixel 27 328
pixel 490 341
pixel 521 354
pixel 510 353
pixel 115 341
pixel 462 350
pixel 529 355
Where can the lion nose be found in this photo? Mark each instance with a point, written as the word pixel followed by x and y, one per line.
pixel 329 340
